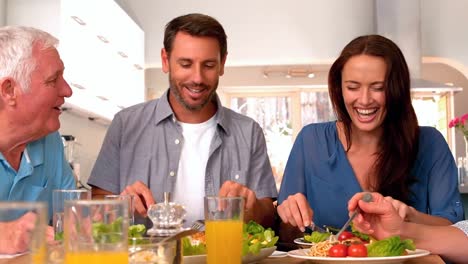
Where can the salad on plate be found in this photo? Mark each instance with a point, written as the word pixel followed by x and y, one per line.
pixel 257 243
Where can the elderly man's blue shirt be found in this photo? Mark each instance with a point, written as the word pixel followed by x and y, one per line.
pixel 43 168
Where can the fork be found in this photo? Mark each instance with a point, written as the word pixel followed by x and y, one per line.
pixel 366 198
pixel 198 224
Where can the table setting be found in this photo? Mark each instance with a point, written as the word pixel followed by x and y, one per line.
pixel 99 231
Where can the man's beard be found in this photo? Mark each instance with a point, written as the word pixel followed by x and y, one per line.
pixel 175 90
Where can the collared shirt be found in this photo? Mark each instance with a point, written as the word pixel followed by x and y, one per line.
pixel 43 168
pixel 144 142
pixel 318 168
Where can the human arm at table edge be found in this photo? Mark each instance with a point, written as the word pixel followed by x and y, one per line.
pixel 447 241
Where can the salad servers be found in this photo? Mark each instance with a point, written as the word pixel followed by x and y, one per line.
pixel 196 226
pixel 366 198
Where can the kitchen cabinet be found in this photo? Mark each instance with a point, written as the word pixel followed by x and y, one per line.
pixel 101 46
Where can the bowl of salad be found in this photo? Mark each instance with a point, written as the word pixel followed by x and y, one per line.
pixel 143 249
pixel 258 243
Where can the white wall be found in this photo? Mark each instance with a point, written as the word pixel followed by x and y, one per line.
pixel 444 36
pixel 48 10
pixel 88 134
pixel 444 32
pixel 264 31
pixel 2 12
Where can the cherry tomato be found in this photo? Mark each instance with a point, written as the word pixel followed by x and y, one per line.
pixel 357 250
pixel 338 250
pixel 345 235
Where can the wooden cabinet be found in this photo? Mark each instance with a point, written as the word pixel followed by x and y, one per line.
pixel 101 46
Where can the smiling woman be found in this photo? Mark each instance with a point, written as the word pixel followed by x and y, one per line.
pixel 376 144
pixel 363 92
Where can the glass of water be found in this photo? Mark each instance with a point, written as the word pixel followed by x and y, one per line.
pixel 126 197
pixel 58 201
pixel 23 229
pixel 96 231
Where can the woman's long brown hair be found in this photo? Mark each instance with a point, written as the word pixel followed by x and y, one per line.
pixel 398 146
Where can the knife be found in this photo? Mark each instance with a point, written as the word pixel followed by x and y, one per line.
pixel 313 227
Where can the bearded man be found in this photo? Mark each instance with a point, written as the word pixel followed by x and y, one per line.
pixel 186 142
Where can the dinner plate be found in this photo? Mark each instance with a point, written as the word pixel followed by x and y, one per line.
pixel 249 258
pixel 301 241
pixel 302 253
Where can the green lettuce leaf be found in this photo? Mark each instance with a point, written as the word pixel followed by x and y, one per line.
pixel 136 231
pixel 362 236
pixel 316 237
pixel 107 233
pixel 253 228
pixel 188 249
pixel 392 246
pixel 254 238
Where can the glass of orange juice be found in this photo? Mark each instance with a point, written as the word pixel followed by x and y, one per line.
pixel 223 229
pixel 96 231
pixel 23 229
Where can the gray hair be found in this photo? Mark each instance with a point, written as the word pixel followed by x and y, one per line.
pixel 16 46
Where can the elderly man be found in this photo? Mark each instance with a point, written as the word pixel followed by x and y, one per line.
pixel 186 142
pixel 32 90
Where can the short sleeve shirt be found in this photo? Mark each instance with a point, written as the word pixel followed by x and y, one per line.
pixel 144 143
pixel 43 168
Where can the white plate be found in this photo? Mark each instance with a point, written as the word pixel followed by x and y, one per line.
pixel 195 259
pixel 302 253
pixel 264 253
pixel 250 258
pixel 278 254
pixel 301 241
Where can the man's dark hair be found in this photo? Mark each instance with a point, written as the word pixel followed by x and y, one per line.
pixel 197 25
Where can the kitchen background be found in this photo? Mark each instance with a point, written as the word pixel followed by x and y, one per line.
pixel 279 56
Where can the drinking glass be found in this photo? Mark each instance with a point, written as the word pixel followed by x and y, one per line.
pixel 223 228
pixel 96 231
pixel 58 201
pixel 31 219
pixel 126 197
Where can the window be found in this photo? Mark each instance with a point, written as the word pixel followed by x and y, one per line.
pixel 283 114
pixel 273 113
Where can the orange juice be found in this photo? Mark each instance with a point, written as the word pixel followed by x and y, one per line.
pixel 224 241
pixel 39 256
pixel 96 257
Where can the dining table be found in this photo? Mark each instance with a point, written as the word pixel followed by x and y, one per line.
pixel 430 259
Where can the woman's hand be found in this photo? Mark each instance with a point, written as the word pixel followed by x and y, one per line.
pixel 296 211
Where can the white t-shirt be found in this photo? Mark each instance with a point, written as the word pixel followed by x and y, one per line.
pixel 190 185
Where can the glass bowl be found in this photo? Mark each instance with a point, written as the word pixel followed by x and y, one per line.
pixel 151 250
pixel 167 218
